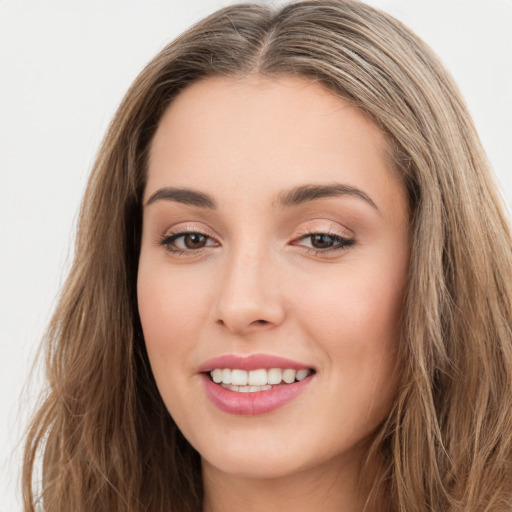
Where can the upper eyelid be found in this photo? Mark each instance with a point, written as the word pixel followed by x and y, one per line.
pixel 311 231
pixel 328 230
pixel 189 228
pixel 311 227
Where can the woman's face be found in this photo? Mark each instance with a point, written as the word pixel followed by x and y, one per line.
pixel 275 248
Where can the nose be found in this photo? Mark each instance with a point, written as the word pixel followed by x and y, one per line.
pixel 249 298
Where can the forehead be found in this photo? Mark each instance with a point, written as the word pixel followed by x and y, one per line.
pixel 266 134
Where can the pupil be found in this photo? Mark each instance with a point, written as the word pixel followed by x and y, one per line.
pixel 194 241
pixel 322 241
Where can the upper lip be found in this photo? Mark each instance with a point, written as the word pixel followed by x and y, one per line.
pixel 252 362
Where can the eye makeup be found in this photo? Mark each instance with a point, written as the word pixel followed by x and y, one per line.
pixel 191 241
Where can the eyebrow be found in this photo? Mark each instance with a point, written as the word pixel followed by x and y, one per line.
pixel 303 194
pixel 184 196
pixel 289 198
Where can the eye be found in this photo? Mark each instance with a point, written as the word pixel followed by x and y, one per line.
pixel 187 242
pixel 324 242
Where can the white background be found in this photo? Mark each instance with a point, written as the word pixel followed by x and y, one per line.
pixel 64 66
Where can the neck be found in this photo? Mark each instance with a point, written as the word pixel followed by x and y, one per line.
pixel 332 488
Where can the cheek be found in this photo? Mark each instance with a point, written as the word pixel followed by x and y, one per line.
pixel 172 312
pixel 355 319
pixel 361 306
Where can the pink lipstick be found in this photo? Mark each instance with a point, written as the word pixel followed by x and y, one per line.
pixel 255 384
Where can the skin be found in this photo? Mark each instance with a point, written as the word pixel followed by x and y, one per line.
pixel 256 286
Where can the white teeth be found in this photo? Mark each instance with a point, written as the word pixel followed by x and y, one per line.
pixel 244 380
pixel 275 376
pixel 301 374
pixel 226 376
pixel 246 389
pixel 289 376
pixel 238 377
pixel 258 377
pixel 217 375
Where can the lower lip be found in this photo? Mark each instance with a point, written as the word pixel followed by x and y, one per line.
pixel 252 404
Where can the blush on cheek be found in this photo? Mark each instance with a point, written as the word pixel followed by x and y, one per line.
pixel 171 317
pixel 358 319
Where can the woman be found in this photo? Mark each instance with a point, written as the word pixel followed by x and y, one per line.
pixel 291 286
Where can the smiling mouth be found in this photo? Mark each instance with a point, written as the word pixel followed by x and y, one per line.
pixel 253 381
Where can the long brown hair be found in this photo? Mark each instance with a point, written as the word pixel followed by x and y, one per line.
pixel 106 440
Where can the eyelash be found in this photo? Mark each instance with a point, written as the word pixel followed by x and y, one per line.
pixel 341 242
pixel 168 240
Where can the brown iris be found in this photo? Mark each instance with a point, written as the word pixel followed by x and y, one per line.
pixel 194 240
pixel 322 241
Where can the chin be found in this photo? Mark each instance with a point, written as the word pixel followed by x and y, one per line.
pixel 277 457
pixel 252 466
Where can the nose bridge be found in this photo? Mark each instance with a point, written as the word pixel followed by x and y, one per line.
pixel 247 296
